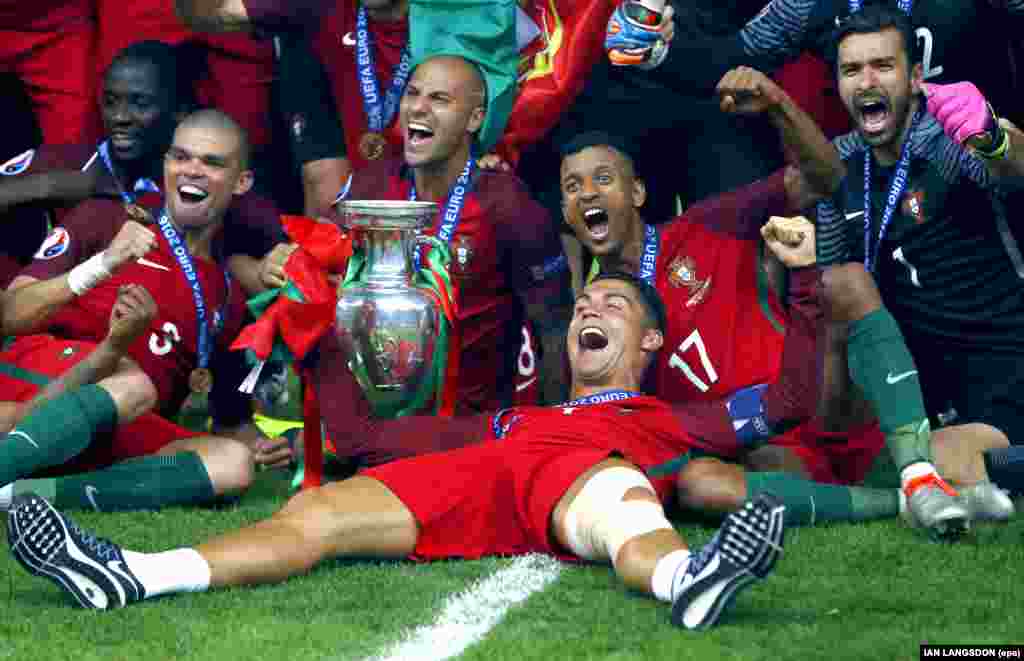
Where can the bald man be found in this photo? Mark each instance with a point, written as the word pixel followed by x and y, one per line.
pixel 506 255
pixel 60 309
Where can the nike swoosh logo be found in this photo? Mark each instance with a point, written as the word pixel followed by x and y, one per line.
pixel 348 40
pixel 855 214
pixel 90 493
pixel 890 379
pixel 152 265
pixel 25 436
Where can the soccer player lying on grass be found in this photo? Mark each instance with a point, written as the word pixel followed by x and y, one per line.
pixel 69 291
pixel 568 480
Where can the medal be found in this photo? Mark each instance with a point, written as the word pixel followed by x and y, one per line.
pixel 200 381
pixel 138 214
pixel 371 145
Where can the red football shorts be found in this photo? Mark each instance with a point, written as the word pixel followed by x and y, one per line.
pixel 33 360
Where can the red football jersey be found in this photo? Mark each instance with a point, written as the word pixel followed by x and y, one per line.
pixel 167 354
pixel 505 243
pixel 335 43
pixel 726 326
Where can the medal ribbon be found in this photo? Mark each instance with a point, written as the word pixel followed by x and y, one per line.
pixel 378 113
pixel 649 257
pixel 906 6
pixel 501 428
pixel 452 207
pixel 144 185
pixel 897 184
pixel 204 348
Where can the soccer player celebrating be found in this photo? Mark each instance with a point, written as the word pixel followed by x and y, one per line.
pixel 69 291
pixel 568 480
pixel 896 230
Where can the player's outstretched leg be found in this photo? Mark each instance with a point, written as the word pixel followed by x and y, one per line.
pixel 743 551
pixel 47 543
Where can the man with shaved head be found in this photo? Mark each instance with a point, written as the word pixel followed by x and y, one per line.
pixel 99 411
pixel 505 253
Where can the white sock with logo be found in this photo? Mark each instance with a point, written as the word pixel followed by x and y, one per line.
pixel 180 570
pixel 668 574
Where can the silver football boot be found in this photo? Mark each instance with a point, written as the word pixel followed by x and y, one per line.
pixel 987 502
pixel 936 507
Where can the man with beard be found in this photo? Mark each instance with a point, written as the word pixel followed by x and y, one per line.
pixel 60 306
pixel 919 218
pixel 570 481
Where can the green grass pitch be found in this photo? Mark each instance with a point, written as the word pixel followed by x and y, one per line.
pixel 842 592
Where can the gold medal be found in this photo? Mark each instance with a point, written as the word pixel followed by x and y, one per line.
pixel 371 145
pixel 200 381
pixel 138 214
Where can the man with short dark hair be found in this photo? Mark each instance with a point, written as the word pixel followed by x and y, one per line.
pixel 569 480
pixel 60 307
pixel 919 224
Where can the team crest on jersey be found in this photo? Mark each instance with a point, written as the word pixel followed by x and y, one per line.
pixel 682 272
pixel 18 164
pixel 913 206
pixel 462 255
pixel 55 244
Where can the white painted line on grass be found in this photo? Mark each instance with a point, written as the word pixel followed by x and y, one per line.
pixel 467 616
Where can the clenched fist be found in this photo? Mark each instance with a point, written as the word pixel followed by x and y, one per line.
pixel 747 91
pixel 791 240
pixel 133 241
pixel 132 315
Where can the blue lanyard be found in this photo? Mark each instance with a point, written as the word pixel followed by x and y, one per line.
pixel 897 183
pixel 649 258
pixel 453 207
pixel 144 185
pixel 501 428
pixel 205 341
pixel 905 6
pixel 378 113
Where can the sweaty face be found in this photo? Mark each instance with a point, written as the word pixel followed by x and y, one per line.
pixel 202 172
pixel 609 340
pixel 439 111
pixel 600 199
pixel 877 85
pixel 137 113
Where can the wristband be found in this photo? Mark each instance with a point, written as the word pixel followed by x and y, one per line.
pixel 1000 152
pixel 88 274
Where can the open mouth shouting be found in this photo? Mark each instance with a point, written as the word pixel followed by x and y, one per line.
pixel 596 220
pixel 874 115
pixel 418 135
pixel 592 338
pixel 191 194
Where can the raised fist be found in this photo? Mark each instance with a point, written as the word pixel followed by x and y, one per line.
pixel 133 241
pixel 132 315
pixel 747 91
pixel 791 240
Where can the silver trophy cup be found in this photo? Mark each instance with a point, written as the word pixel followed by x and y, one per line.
pixel 387 325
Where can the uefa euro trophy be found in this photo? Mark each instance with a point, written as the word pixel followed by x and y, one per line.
pixel 387 324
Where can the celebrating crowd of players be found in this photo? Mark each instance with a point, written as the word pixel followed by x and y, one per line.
pixel 785 344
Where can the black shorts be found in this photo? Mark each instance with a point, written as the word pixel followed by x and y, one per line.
pixel 973 386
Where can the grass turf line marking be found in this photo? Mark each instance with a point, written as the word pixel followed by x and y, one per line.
pixel 467 616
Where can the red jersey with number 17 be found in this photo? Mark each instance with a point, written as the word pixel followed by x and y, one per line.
pixel 726 326
pixel 168 353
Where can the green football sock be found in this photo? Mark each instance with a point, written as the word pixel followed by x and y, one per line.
pixel 55 431
pixel 882 366
pixel 137 484
pixel 809 502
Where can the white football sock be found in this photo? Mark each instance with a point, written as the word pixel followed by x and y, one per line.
pixel 668 574
pixel 916 470
pixel 6 496
pixel 181 570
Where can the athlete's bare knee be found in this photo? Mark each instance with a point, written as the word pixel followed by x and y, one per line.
pixel 849 292
pixel 229 464
pixel 132 390
pixel 708 484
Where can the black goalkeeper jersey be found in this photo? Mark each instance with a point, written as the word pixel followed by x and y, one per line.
pixel 948 266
